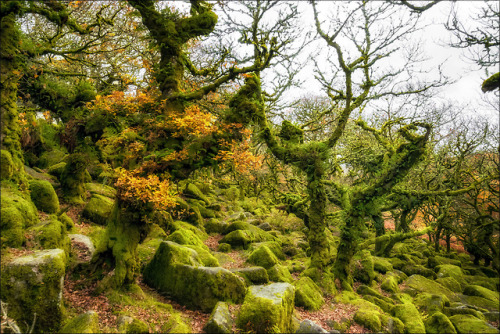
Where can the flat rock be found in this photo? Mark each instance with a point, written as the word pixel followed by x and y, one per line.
pixel 307 326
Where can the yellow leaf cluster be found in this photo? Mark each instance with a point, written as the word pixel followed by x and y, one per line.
pixel 140 191
pixel 194 122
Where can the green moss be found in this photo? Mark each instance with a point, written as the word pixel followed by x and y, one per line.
pixel 57 169
pixel 486 282
pixel 274 246
pixel 224 248
pixel 252 275
pixel 137 326
pixel 17 213
pixel 84 323
pixel 186 237
pixel 180 225
pixel 263 257
pixel 267 309
pixel 431 304
pixel 366 290
pixel 437 260
pixel 369 319
pixel 417 269
pixel 438 323
pixel 44 196
pixel 409 315
pixel 101 189
pixel 67 221
pixel 384 305
pixel 450 283
pixel 6 165
pixel 192 191
pixel 308 294
pixel 52 234
pixel 470 324
pixel 51 158
pixel 449 270
pixel 390 284
pixel 175 324
pixel 364 267
pixel 381 264
pixel 279 273
pixel 33 284
pixel 206 258
pixel 476 290
pixel 98 209
pixel 194 286
pixel 74 177
pixel 480 302
pixel 146 251
pixel 422 284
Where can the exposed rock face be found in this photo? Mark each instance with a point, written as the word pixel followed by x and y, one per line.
pixel 220 320
pixel 85 246
pixel 268 309
pixel 34 284
pixel 176 270
pixel 307 326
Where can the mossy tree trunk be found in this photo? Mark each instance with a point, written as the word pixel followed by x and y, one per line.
pixel 74 177
pixel 126 228
pixel 9 77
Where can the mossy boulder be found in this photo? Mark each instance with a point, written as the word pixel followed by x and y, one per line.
pixel 476 290
pixel 84 244
pixel 52 234
pixel 57 169
pixel 17 213
pixel 34 284
pixel 100 189
pixel 381 264
pixel 410 317
pixel 307 294
pixel 418 269
pixel 450 270
pixel 430 303
pixel 176 271
pixel 87 322
pixel 438 323
pixel 192 191
pixel 478 302
pixel 390 284
pixel 263 257
pixel 206 258
pixel 252 275
pixel 186 237
pixel 489 283
pixel 224 248
pixel 364 270
pixel 131 325
pixel 369 319
pixel 469 324
pixel 50 158
pixel 241 235
pixel 279 273
pixel 44 196
pixel 215 226
pixel 176 324
pixel 268 309
pixel 274 246
pixel 181 225
pixel 220 320
pixel 421 284
pixel 6 165
pixel 434 261
pixel 98 209
pixel 450 283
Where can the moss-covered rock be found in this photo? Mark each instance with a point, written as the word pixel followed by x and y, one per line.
pixel 417 269
pixel 279 273
pixel 98 209
pixel 263 257
pixel 422 284
pixel 52 234
pixel 215 226
pixel 364 270
pixel 131 325
pixel 478 302
pixel 186 237
pixel 434 261
pixel 489 283
pixel 44 196
pixel 50 158
pixel 241 235
pixel 307 294
pixel 307 326
pixel 175 270
pixel 6 165
pixel 383 304
pixel 397 263
pixel 101 189
pixel 438 323
pixel 430 303
pixel 476 290
pixel 268 309
pixel 390 284
pixel 181 225
pixel 17 213
pixel 450 270
pixel 410 317
pixel 381 264
pixel 57 169
pixel 369 319
pixel 220 320
pixel 34 284
pixel 252 275
pixel 192 191
pixel 87 322
pixel 206 258
pixel 224 248
pixel 450 283
pixel 176 324
pixel 470 324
